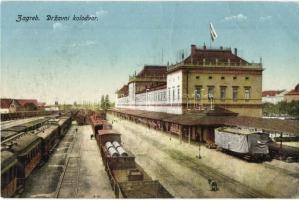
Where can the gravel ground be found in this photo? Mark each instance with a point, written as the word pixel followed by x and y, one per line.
pixel 175 165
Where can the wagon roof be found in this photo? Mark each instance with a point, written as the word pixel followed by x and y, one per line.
pixel 235 130
pixel 47 132
pixel 8 159
pixel 26 141
pixel 7 133
pixel 18 128
pixel 107 132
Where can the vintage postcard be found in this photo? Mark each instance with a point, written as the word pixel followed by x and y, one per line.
pixel 149 99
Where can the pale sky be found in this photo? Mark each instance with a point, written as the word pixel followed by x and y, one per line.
pixel 74 61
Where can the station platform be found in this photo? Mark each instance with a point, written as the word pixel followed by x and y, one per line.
pixel 74 170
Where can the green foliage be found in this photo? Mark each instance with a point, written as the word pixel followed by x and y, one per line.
pixel 105 102
pixel 282 108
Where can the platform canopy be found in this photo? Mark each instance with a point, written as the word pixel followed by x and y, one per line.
pixel 215 118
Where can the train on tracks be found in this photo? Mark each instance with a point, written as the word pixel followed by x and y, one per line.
pixel 22 152
pixel 246 143
pixel 253 145
pixel 127 178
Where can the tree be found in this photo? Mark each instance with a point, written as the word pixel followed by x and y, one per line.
pixel 107 102
pixel 102 105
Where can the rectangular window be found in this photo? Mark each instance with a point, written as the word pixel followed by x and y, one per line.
pixel 210 92
pixel 247 93
pixel 197 92
pixel 222 92
pixel 168 94
pixel 178 92
pixel 235 93
pixel 173 93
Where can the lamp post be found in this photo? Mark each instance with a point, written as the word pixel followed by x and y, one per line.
pixel 146 98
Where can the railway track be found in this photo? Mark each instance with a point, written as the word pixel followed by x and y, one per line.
pixel 241 190
pixel 68 185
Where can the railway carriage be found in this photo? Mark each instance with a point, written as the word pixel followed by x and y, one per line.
pixel 28 151
pixel 8 173
pixel 50 137
pixel 64 123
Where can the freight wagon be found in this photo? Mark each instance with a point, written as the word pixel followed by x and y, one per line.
pixel 127 178
pixel 243 142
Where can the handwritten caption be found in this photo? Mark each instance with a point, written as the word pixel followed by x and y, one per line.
pixel 57 18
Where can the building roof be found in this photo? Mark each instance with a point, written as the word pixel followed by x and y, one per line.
pixel 24 102
pixel 5 103
pixel 271 93
pixel 152 71
pixel 218 118
pixel 295 91
pixel 209 55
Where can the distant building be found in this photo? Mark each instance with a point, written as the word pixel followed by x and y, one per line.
pixel 207 77
pixel 17 105
pixel 293 95
pixel 273 96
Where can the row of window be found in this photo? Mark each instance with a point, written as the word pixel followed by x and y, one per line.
pixel 8 176
pixel 198 92
pixel 176 91
pixel 157 96
pixel 31 154
pixel 222 77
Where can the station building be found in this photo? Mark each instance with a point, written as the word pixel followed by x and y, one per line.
pixel 207 78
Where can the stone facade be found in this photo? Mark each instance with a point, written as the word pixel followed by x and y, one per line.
pixel 207 77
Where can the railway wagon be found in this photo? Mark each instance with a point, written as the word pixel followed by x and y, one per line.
pixel 28 151
pixel 64 124
pixel 28 126
pixel 99 124
pixel 8 173
pixel 49 138
pixel 127 178
pixel 243 142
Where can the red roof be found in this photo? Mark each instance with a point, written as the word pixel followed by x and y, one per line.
pixel 152 71
pixel 24 102
pixel 210 55
pixel 271 93
pixel 294 91
pixel 5 103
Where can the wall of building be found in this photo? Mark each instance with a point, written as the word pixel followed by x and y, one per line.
pixel 181 86
pixel 289 98
pixel 203 79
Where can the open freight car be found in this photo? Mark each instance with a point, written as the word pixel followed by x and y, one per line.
pixel 127 178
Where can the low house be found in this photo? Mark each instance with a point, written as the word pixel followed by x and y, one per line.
pixel 17 105
pixel 273 96
pixel 293 95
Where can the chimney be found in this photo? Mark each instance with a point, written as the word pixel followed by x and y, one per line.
pixel 236 51
pixel 193 48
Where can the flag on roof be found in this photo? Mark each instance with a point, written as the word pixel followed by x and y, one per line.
pixel 213 32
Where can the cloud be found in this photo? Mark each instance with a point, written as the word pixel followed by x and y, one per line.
pixel 84 44
pixel 57 25
pixel 101 13
pixel 239 17
pixel 265 18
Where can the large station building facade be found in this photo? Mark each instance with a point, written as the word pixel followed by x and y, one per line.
pixel 207 78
